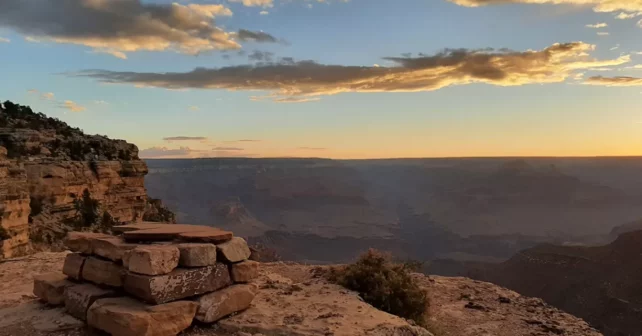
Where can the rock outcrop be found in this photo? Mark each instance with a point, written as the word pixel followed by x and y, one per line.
pixel 293 301
pixel 600 284
pixel 14 207
pixel 54 178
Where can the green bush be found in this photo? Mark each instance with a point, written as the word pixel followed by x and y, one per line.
pixel 384 284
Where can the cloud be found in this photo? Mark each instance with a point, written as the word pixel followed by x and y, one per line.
pixel 4 40
pixel 261 56
pixel 194 108
pixel 242 140
pixel 603 33
pixel 626 16
pixel 255 3
pixel 614 81
pixel 185 138
pixel 71 106
pixel 597 5
pixel 264 12
pixel 597 25
pixel 44 95
pixel 306 79
pixel 118 27
pixel 100 102
pixel 616 47
pixel 228 149
pixel 295 100
pixel 255 36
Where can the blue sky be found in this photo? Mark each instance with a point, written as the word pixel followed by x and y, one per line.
pixel 486 103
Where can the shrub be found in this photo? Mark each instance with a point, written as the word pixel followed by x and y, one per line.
pixel 384 284
pixel 87 210
pixel 263 253
pixel 36 206
pixel 4 234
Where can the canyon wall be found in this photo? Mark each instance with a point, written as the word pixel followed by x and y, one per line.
pixel 55 178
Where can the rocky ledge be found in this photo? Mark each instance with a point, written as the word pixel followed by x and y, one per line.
pixel 294 300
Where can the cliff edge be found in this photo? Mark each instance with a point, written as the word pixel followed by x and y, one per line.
pixel 55 178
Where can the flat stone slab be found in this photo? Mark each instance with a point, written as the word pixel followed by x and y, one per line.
pixel 215 237
pixel 103 272
pixel 234 250
pixel 112 248
pixel 179 284
pixel 81 241
pixel 214 306
pixel 126 316
pixel 245 271
pixel 161 232
pixel 73 265
pixel 197 254
pixel 152 259
pixel 50 287
pixel 79 298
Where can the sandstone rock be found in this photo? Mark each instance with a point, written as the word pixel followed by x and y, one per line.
pixel 79 298
pixel 215 237
pixel 245 271
pixel 14 208
pixel 73 265
pixel 153 259
pixel 234 250
pixel 125 316
pixel 103 272
pixel 157 232
pixel 180 283
pixel 197 255
pixel 50 287
pixel 81 241
pixel 214 306
pixel 111 248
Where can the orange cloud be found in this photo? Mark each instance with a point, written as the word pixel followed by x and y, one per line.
pixel 290 81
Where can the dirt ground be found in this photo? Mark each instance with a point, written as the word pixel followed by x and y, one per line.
pixel 295 301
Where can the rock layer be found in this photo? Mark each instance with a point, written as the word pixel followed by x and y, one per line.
pixel 50 287
pixel 179 284
pixel 14 207
pixel 214 306
pixel 125 316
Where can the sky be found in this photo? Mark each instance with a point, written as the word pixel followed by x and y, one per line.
pixel 346 79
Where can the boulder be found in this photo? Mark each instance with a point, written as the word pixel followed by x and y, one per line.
pixel 152 259
pixel 73 265
pixel 81 241
pixel 103 272
pixel 78 298
pixel 197 255
pixel 50 287
pixel 214 306
pixel 234 250
pixel 179 284
pixel 125 316
pixel 112 248
pixel 245 271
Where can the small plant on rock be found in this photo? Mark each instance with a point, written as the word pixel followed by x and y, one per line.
pixel 384 284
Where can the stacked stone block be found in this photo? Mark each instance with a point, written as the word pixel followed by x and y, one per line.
pixel 153 280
